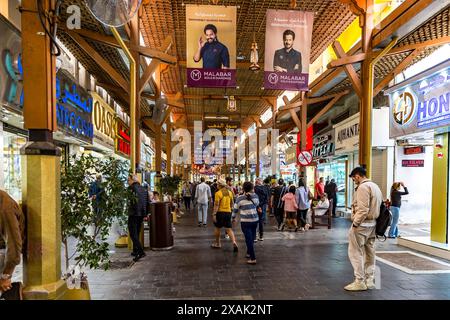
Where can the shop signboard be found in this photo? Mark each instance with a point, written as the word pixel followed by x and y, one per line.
pixel 73 108
pixel 211 46
pixel 423 103
pixel 122 139
pixel 323 145
pixel 287 49
pixel 224 144
pixel 11 93
pixel 413 163
pixel 104 119
pixel 413 150
pixel 291 154
pixel 347 135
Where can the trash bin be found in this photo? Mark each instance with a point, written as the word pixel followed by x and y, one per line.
pixel 161 237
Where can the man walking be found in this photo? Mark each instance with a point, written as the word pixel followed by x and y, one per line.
pixel 12 233
pixel 331 191
pixel 276 202
pixel 136 214
pixel 202 198
pixel 361 237
pixel 263 196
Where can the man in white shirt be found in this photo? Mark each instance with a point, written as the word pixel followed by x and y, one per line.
pixel 202 197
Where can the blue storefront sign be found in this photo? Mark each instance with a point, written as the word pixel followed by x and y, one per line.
pixel 421 103
pixel 73 108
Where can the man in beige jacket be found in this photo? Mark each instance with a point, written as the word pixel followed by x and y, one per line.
pixel 12 233
pixel 361 237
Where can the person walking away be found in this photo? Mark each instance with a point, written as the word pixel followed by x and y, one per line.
pixel 331 190
pixel 202 198
pixel 223 204
pixel 136 212
pixel 396 203
pixel 95 194
pixel 246 205
pixel 319 188
pixel 361 243
pixel 303 196
pixel 263 197
pixel 290 208
pixel 12 234
pixel 186 193
pixel 277 203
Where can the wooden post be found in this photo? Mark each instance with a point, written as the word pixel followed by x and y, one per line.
pixel 134 39
pixel 169 146
pixel 303 121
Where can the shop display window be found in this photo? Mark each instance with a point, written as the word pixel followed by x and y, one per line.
pixel 336 171
pixel 12 169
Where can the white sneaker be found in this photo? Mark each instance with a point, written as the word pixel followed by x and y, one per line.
pixel 356 285
pixel 227 236
pixel 370 283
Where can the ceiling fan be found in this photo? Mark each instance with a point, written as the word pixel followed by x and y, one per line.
pixel 113 13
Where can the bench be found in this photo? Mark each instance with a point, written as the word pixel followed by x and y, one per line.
pixel 319 220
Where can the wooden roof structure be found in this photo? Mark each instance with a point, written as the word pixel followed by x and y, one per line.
pixel 160 20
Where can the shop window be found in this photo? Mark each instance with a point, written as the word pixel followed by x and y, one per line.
pixel 12 168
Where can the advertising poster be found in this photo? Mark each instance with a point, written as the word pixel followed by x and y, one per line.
pixel 287 51
pixel 211 46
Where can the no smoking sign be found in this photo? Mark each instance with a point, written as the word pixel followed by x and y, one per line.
pixel 305 158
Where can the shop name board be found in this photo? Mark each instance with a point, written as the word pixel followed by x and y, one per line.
pixel 323 146
pixel 422 105
pixel 104 119
pixel 414 150
pixel 348 132
pixel 123 139
pixel 73 108
pixel 413 163
pixel 291 154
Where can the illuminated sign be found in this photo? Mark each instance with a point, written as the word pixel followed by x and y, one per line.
pixel 73 108
pixel 104 119
pixel 414 150
pixel 421 105
pixel 11 93
pixel 123 139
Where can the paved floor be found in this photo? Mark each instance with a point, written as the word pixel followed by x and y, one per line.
pixel 311 265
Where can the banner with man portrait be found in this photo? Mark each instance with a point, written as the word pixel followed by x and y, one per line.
pixel 287 51
pixel 211 46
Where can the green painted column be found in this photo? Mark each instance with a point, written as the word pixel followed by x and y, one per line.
pixel 439 205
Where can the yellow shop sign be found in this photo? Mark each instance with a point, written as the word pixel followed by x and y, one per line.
pixel 104 119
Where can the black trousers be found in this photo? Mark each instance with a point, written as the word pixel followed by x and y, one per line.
pixel 334 206
pixel 187 203
pixel 279 215
pixel 134 227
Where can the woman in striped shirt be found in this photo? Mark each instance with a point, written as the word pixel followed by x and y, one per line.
pixel 246 205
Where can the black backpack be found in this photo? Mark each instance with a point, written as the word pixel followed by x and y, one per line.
pixel 383 221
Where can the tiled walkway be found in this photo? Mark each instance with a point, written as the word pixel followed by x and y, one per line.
pixel 313 265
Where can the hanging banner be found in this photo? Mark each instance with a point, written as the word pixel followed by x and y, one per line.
pixel 288 46
pixel 211 46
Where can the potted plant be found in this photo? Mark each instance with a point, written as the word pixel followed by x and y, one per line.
pixel 86 220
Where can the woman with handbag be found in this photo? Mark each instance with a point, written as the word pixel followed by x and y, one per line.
pixel 246 205
pixel 396 202
pixel 303 196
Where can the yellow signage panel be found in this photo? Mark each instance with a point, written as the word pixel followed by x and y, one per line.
pixel 104 120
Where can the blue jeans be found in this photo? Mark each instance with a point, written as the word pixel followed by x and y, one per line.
pixel 202 212
pixel 249 230
pixel 393 230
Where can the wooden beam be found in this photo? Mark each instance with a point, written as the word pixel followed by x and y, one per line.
pixel 149 123
pixel 239 65
pixel 325 98
pixel 422 45
pixel 219 97
pixel 349 70
pixel 347 60
pixel 99 60
pixel 148 73
pixel 389 77
pixel 325 109
pixel 111 41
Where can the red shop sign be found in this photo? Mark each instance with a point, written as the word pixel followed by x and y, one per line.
pixel 414 150
pixel 413 163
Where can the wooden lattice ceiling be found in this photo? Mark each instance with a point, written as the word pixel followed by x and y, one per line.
pixel 162 18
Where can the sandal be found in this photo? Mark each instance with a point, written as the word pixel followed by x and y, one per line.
pixel 215 246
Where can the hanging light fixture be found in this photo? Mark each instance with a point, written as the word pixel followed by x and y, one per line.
pixel 254 57
pixel 231 104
